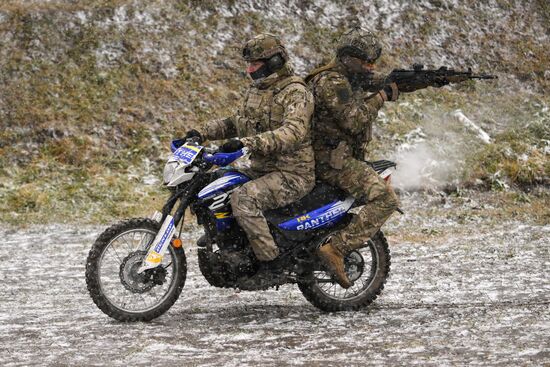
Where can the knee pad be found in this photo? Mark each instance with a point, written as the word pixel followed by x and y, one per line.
pixel 243 205
pixel 393 200
pixel 385 200
pixel 376 191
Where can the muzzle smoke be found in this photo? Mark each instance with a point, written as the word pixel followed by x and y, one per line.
pixel 433 156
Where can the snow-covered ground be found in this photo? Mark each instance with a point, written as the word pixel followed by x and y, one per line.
pixel 471 293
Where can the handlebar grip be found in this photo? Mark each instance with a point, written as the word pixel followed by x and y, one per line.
pixel 176 143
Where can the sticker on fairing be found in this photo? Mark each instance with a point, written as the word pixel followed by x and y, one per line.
pixel 160 244
pixel 187 153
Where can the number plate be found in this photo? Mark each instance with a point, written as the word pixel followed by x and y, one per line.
pixel 187 153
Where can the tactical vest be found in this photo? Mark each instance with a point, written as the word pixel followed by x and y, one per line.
pixel 259 113
pixel 327 135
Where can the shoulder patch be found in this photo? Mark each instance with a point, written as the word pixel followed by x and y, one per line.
pixel 343 95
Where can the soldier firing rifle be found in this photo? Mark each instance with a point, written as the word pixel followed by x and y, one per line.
pixel 345 109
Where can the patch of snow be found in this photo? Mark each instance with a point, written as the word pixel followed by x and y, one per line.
pixel 151 180
pixel 82 17
pixel 120 17
pixel 140 19
pixel 223 11
pixel 382 117
pixel 109 54
pixel 162 58
pixel 144 18
pixel 498 181
pixel 328 13
pixel 529 352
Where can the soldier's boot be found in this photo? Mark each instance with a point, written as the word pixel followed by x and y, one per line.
pixel 333 259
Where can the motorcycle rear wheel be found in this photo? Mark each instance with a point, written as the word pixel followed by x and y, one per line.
pixel 113 282
pixel 370 266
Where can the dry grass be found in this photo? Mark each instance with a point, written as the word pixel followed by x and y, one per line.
pixel 73 124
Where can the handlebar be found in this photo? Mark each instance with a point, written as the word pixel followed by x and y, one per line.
pixel 212 156
pixel 224 159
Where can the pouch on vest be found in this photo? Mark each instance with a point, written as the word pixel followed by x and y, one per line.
pixel 338 156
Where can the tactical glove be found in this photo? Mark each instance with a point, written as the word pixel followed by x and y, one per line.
pixel 195 135
pixel 232 146
pixel 390 92
pixel 441 82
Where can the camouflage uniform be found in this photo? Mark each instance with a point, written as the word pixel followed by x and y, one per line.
pixel 274 122
pixel 342 129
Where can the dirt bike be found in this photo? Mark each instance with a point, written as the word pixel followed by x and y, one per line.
pixel 136 269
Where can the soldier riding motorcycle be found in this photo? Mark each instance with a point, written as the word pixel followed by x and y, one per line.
pixel 344 114
pixel 260 230
pixel 348 95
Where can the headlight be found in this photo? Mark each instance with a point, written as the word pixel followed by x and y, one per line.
pixel 169 170
pixel 176 172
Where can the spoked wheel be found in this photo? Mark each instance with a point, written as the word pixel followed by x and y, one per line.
pixel 112 275
pixel 368 267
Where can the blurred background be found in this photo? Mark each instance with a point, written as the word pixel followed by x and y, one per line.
pixel 92 92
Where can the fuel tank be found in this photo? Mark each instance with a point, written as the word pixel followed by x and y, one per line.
pixel 225 183
pixel 217 195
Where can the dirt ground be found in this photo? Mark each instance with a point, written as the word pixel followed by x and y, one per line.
pixel 462 291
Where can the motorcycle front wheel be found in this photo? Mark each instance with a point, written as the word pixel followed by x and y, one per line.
pixel 112 278
pixel 368 267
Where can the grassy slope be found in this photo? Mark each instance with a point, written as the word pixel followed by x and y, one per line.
pixel 92 91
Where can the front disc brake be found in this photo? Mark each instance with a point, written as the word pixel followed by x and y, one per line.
pixel 129 277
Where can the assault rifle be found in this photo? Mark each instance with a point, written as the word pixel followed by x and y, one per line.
pixel 419 78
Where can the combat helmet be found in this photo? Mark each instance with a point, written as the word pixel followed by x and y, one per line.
pixel 360 43
pixel 268 48
pixel 263 47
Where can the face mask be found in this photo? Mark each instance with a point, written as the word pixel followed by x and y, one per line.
pixel 261 72
pixel 269 66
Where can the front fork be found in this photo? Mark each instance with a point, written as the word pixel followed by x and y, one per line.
pixel 160 244
pixel 167 230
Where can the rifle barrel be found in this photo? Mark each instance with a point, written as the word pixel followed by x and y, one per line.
pixel 484 76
